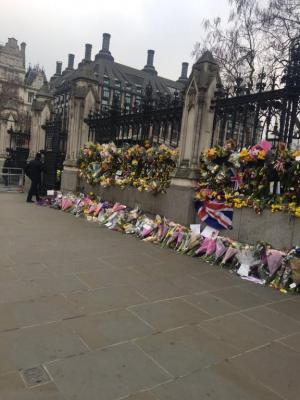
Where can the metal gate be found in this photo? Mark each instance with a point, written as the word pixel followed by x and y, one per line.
pixel 54 153
pixel 12 180
pixel 18 149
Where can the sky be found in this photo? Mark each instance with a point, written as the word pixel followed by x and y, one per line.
pixel 53 28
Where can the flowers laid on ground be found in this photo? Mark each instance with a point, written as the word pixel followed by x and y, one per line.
pixel 148 168
pixel 260 263
pixel 257 177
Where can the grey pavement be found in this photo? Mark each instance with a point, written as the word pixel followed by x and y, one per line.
pixel 91 314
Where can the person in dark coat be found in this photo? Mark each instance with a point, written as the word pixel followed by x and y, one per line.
pixel 34 171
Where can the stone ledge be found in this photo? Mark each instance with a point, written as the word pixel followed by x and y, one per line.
pixel 279 229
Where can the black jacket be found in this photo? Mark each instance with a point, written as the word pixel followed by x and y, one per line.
pixel 34 170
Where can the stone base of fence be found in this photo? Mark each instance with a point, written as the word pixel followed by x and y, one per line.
pixel 279 229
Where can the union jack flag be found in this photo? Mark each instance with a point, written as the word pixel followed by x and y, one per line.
pixel 215 214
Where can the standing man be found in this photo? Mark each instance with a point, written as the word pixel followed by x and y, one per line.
pixel 34 172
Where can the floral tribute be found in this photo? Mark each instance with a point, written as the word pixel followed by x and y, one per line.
pixel 147 168
pixel 260 264
pixel 255 177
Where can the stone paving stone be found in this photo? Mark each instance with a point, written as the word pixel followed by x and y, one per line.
pixel 5 261
pixel 73 265
pixel 289 307
pixel 100 330
pixel 211 304
pixel 168 314
pixel 6 364
pixel 274 320
pixel 217 278
pixel 181 265
pixel 240 332
pixel 129 258
pixel 142 396
pixel 19 256
pixel 29 347
pixel 59 285
pixel 159 290
pixel 43 309
pixel 110 276
pixel 68 246
pixel 190 284
pixel 105 299
pixel 7 274
pixel 265 292
pixel 292 341
pixel 31 271
pixel 44 392
pixel 275 365
pixel 10 381
pixel 239 297
pixel 220 382
pixel 185 350
pixel 12 291
pixel 107 374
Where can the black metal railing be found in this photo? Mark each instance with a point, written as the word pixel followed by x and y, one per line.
pixel 248 114
pixel 157 120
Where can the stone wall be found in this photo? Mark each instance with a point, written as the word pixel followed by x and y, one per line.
pixel 281 230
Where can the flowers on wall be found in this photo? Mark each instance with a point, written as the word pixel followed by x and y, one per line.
pixel 148 168
pixel 257 177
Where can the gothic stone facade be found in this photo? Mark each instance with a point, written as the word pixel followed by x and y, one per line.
pixel 18 88
pixel 73 92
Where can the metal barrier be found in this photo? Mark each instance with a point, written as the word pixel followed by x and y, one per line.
pixel 12 179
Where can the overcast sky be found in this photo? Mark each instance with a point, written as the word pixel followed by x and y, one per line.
pixel 54 28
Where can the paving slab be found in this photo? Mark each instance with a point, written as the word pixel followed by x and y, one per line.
pixel 106 374
pixel 289 307
pixel 292 341
pixel 240 332
pixel 29 271
pixel 37 311
pixel 274 320
pixel 29 347
pixel 275 365
pixel 220 382
pixel 111 317
pixel 60 284
pixel 110 276
pixel 238 297
pixel 105 299
pixel 101 330
pixel 169 314
pixel 142 396
pixel 184 350
pixel 12 388
pixel 15 290
pixel 211 304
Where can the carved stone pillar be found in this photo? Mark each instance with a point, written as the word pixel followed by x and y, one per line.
pixel 197 119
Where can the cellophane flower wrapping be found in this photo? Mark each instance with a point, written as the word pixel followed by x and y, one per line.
pixel 246 258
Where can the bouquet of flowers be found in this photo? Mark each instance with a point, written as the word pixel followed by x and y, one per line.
pixel 147 168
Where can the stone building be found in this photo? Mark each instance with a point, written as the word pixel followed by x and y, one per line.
pixel 18 88
pixel 73 92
